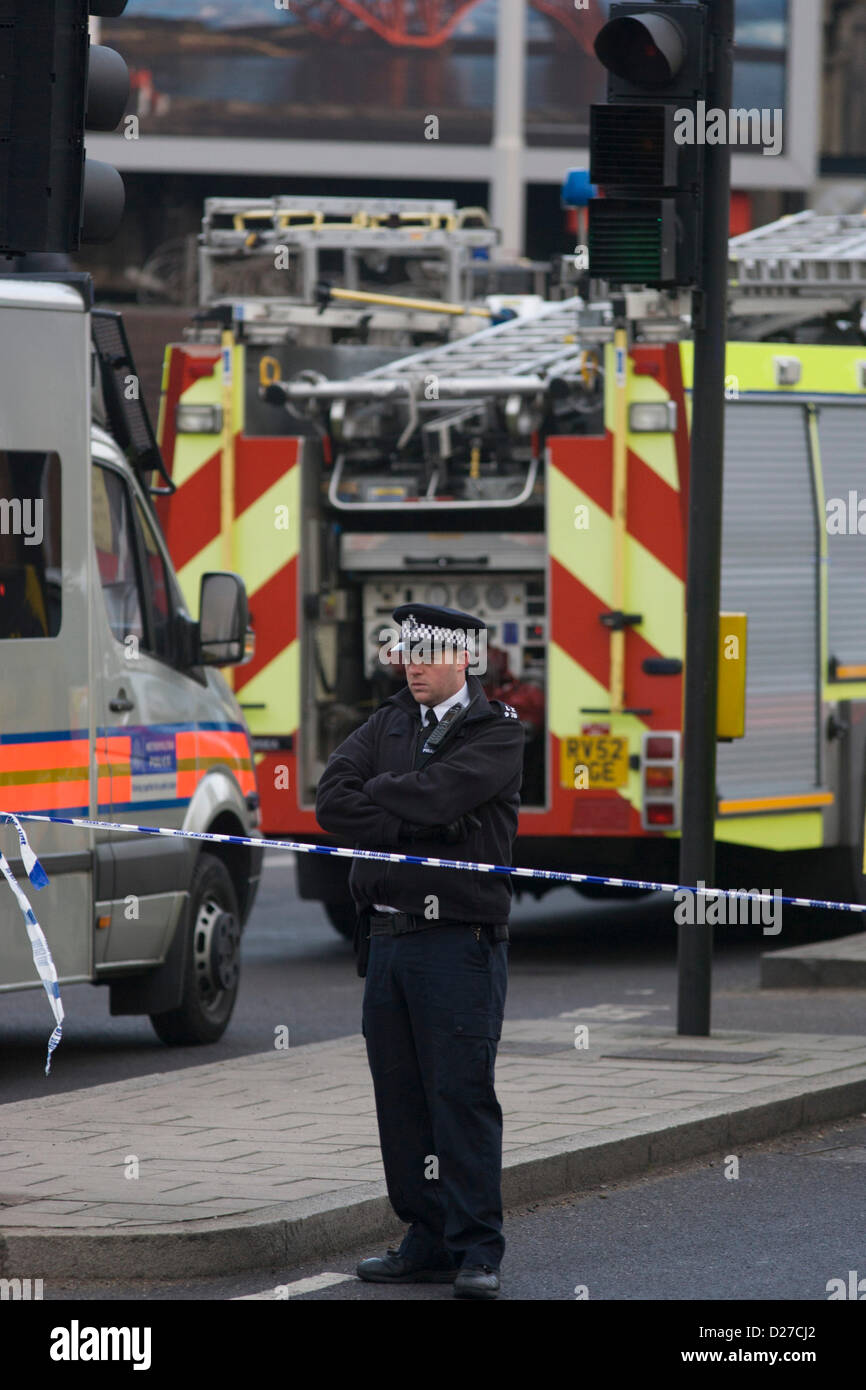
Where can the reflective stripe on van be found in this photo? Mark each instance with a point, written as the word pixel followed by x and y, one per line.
pixel 49 771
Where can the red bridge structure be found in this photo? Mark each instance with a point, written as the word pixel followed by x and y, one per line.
pixel 429 23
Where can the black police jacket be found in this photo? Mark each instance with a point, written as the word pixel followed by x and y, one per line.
pixel 369 790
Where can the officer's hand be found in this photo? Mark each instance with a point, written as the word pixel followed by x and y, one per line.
pixel 408 831
pixel 459 829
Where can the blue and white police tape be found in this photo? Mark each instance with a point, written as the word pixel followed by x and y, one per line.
pixel 35 871
pixel 42 957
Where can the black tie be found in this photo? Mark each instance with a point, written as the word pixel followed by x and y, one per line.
pixel 429 722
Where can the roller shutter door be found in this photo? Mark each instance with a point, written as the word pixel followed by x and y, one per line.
pixel 770 571
pixel 842 436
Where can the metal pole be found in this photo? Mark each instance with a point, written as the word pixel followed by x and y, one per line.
pixel 399 301
pixel 703 584
pixel 506 185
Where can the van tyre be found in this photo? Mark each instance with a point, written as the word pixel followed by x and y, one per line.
pixel 212 969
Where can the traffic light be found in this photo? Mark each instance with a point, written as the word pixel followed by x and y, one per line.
pixel 55 85
pixel 645 152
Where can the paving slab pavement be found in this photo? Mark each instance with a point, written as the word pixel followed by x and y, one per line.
pixel 837 964
pixel 270 1160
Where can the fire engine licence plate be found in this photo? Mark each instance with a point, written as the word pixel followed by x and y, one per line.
pixel 594 760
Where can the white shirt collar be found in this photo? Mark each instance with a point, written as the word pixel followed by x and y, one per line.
pixel 462 697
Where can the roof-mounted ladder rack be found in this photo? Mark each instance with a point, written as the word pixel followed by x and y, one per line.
pixel 800 263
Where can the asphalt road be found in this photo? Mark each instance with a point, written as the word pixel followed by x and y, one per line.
pixel 566 952
pixel 789 1223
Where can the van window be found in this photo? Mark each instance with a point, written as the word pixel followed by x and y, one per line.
pixel 157 579
pixel 115 554
pixel 30 567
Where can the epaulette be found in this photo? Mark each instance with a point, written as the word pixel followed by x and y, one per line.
pixel 509 711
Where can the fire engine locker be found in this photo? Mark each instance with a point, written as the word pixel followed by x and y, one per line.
pixel 770 572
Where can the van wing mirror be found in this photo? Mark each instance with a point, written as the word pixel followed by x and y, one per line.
pixel 223 620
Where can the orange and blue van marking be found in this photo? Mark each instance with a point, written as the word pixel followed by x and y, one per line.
pixel 147 766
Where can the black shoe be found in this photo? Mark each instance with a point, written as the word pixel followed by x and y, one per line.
pixel 396 1269
pixel 476 1281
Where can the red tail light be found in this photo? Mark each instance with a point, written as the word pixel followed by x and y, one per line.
pixel 660 776
pixel 659 747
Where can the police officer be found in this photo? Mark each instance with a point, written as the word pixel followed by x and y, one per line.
pixel 437 765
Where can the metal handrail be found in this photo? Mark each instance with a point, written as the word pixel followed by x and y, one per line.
pixel 427 504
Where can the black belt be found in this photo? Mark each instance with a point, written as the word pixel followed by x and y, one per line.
pixel 399 923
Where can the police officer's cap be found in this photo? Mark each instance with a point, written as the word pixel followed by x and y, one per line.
pixel 426 622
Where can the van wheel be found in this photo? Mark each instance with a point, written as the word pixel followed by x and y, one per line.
pixel 212 971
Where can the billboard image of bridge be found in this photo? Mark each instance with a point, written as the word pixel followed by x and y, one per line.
pixel 377 71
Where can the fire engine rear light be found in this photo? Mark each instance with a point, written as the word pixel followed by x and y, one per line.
pixel 660 778
pixel 198 419
pixel 659 749
pixel 660 781
pixel 652 417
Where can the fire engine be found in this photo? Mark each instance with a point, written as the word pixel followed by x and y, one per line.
pixel 536 471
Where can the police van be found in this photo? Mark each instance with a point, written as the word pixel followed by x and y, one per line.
pixel 111 704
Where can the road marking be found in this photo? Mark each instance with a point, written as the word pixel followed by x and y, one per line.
pixel 281 1291
pixel 616 1013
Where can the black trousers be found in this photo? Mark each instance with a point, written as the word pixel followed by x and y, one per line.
pixel 432 1017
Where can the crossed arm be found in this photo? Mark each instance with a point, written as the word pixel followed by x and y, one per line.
pixel 343 807
pixel 455 784
pixel 371 809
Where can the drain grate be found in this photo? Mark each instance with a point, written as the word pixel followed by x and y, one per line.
pixel 687 1054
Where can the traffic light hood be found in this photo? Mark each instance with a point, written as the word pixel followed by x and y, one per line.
pixel 644 49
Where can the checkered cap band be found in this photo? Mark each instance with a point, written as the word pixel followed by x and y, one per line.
pixel 411 631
